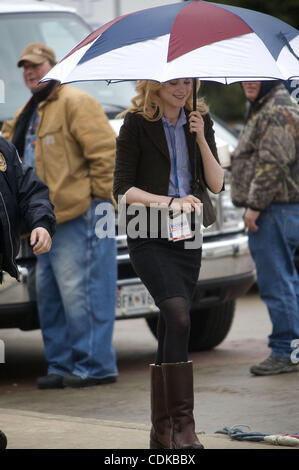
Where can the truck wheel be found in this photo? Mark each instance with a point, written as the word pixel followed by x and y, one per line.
pixel 3 440
pixel 209 326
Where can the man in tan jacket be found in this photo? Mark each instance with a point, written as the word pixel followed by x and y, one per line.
pixel 65 134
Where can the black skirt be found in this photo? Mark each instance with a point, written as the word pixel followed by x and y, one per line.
pixel 166 268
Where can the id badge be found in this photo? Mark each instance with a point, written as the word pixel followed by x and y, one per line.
pixel 178 227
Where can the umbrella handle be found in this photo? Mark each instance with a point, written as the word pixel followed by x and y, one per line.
pixel 194 94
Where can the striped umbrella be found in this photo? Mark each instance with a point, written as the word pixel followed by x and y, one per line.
pixel 196 38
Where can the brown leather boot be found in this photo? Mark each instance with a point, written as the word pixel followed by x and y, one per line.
pixel 178 380
pixel 160 431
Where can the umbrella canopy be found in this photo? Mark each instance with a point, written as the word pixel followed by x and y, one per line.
pixel 200 39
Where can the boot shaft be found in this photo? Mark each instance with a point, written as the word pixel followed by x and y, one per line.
pixel 178 382
pixel 158 399
pixel 160 431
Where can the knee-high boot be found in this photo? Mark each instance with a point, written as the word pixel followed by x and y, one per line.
pixel 178 381
pixel 160 431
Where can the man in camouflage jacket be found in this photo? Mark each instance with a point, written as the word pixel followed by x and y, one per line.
pixel 265 180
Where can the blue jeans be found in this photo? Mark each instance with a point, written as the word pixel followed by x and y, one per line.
pixel 76 293
pixel 272 248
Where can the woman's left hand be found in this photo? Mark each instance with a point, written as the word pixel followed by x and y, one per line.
pixel 196 124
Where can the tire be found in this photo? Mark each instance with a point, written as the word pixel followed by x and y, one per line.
pixel 209 326
pixel 3 440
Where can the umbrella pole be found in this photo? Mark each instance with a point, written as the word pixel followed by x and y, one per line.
pixel 194 134
pixel 194 94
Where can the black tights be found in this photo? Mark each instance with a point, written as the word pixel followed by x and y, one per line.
pixel 173 331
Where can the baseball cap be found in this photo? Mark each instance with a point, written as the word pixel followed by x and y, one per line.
pixel 37 54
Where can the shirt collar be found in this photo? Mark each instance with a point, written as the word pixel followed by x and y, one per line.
pixel 181 121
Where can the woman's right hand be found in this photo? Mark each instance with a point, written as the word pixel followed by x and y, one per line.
pixel 186 204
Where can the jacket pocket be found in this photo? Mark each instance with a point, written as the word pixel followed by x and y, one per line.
pixel 53 152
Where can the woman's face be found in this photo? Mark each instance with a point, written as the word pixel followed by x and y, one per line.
pixel 175 93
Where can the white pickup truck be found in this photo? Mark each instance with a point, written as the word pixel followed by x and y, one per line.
pixel 227 268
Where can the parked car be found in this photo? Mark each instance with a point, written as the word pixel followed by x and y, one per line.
pixel 227 268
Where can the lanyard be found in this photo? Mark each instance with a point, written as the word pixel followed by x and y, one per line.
pixel 174 154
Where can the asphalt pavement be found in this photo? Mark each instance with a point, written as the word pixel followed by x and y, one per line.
pixel 32 430
pixel 115 417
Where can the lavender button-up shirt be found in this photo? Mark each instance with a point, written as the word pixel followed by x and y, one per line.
pixel 177 146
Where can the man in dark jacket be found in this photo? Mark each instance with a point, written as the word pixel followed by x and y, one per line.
pixel 265 180
pixel 24 207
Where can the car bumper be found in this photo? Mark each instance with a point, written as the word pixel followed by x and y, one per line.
pixel 16 310
pixel 227 272
pixel 226 258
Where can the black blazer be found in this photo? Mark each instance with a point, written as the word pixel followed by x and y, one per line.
pixel 143 160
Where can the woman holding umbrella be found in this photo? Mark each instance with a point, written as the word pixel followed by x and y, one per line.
pixel 156 166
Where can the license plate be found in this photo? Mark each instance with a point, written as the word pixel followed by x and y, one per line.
pixel 134 300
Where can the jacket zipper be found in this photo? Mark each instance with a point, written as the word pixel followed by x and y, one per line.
pixel 10 239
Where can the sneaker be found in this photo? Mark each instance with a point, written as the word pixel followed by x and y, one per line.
pixel 50 381
pixel 75 381
pixel 274 365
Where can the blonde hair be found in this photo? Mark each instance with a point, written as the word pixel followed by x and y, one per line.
pixel 148 103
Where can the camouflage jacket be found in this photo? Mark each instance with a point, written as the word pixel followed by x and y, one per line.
pixel 265 164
